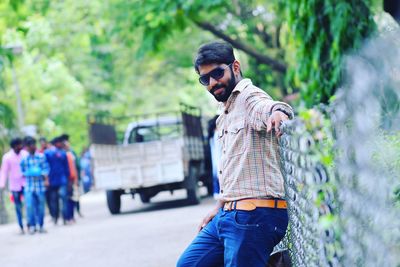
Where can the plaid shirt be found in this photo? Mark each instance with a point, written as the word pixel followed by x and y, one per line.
pixel 249 166
pixel 34 168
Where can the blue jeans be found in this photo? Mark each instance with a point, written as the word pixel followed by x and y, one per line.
pixel 18 206
pixel 237 238
pixel 70 202
pixel 35 204
pixel 57 193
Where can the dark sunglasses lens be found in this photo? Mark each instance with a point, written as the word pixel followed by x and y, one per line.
pixel 204 79
pixel 216 73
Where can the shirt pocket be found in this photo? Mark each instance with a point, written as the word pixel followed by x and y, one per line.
pixel 236 139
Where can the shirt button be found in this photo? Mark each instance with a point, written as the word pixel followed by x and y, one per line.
pixel 226 132
pixel 224 151
pixel 226 112
pixel 220 172
pixel 222 191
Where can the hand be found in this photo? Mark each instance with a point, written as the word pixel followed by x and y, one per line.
pixel 208 218
pixel 46 181
pixel 274 122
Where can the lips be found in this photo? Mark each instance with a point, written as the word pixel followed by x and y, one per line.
pixel 219 91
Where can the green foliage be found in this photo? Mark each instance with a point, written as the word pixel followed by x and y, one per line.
pixel 6 115
pixel 76 61
pixel 80 57
pixel 322 31
pixel 386 157
pixel 320 126
pixel 251 23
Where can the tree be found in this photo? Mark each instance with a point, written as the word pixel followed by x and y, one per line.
pixel 251 26
pixel 322 32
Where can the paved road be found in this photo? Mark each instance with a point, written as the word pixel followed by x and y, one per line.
pixel 144 235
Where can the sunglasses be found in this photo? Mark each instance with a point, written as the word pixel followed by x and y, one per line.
pixel 216 74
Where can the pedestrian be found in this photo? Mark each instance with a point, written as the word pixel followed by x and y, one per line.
pixel 43 145
pixel 251 216
pixel 58 179
pixel 215 154
pixel 35 170
pixel 11 171
pixel 86 170
pixel 72 182
pixel 75 177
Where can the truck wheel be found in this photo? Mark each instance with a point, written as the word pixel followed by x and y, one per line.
pixel 114 201
pixel 193 191
pixel 145 198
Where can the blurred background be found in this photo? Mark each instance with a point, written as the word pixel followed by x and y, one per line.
pixel 62 62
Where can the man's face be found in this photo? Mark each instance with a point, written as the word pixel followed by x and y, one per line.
pixel 219 80
pixel 59 145
pixel 31 148
pixel 18 148
pixel 43 144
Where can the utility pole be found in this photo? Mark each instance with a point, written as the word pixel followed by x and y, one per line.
pixel 20 112
pixel 16 50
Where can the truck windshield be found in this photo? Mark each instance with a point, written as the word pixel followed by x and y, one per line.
pixel 155 132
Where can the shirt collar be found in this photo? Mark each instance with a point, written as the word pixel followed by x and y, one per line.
pixel 15 154
pixel 240 86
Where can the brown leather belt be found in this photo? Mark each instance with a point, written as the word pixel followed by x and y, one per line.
pixel 252 204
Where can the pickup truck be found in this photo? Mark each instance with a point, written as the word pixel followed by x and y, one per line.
pixel 159 152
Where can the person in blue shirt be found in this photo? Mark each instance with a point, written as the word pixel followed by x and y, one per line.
pixel 58 179
pixel 86 170
pixel 35 169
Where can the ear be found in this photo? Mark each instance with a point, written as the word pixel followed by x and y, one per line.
pixel 236 67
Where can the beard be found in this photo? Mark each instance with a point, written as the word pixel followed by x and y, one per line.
pixel 227 91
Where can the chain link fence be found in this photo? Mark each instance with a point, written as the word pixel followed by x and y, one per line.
pixel 342 180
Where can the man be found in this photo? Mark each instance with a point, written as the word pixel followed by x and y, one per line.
pixel 75 179
pixel 72 181
pixel 251 216
pixel 86 170
pixel 10 169
pixel 43 145
pixel 35 169
pixel 58 179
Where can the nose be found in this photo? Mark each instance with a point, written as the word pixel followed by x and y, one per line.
pixel 213 82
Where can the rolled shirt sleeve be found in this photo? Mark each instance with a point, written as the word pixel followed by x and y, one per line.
pixel 259 107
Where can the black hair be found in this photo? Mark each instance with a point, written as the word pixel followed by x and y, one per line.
pixel 29 140
pixel 15 142
pixel 56 140
pixel 42 139
pixel 215 52
pixel 64 137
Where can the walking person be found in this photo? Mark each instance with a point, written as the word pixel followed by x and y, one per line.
pixel 251 216
pixel 75 178
pixel 86 170
pixel 58 180
pixel 72 182
pixel 44 145
pixel 35 170
pixel 11 171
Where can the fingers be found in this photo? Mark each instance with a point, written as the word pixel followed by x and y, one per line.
pixel 203 223
pixel 269 124
pixel 277 130
pixel 274 122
